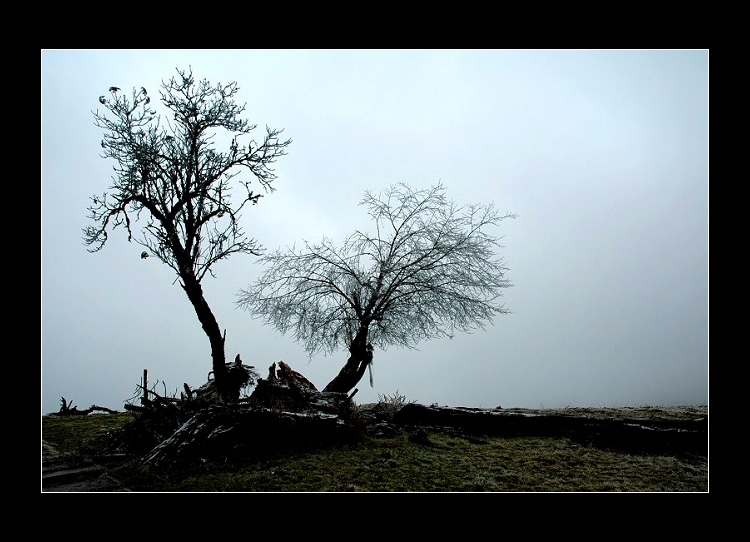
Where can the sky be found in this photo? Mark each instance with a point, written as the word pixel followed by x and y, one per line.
pixel 602 154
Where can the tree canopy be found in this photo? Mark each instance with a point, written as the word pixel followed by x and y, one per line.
pixel 171 173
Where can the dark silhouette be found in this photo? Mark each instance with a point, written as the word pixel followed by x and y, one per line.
pixel 170 175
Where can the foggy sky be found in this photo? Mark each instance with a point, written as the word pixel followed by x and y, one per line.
pixel 603 155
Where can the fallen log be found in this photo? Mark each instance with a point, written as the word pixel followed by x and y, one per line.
pixel 285 410
pixel 229 431
pixel 67 410
pixel 658 436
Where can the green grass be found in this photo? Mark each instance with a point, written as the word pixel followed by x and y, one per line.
pixel 442 462
pixel 67 434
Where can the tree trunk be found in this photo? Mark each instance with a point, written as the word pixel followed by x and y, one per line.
pixel 208 321
pixel 356 365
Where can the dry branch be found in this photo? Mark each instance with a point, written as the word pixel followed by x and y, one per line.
pixel 67 410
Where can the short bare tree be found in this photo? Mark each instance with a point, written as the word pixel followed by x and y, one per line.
pixel 171 176
pixel 429 269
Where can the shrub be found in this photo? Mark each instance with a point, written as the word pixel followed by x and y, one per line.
pixel 388 406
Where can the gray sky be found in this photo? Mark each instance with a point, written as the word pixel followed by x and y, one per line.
pixel 602 154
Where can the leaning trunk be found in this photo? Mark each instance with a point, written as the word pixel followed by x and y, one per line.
pixel 206 317
pixel 356 365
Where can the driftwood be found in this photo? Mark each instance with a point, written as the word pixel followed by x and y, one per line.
pixel 226 432
pixel 285 410
pixel 239 374
pixel 67 410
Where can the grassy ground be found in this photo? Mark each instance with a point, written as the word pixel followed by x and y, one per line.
pixel 436 462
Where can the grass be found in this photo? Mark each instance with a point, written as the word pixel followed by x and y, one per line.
pixel 70 434
pixel 435 462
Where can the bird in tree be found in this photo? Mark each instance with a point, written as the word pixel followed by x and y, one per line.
pixel 430 269
pixel 171 180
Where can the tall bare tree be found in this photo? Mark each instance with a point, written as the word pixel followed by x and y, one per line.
pixel 170 176
pixel 429 269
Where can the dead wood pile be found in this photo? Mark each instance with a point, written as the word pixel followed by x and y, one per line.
pixel 284 411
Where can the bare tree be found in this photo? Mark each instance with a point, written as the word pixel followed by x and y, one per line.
pixel 429 269
pixel 171 176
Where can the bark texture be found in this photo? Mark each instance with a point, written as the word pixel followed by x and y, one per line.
pixel 360 359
